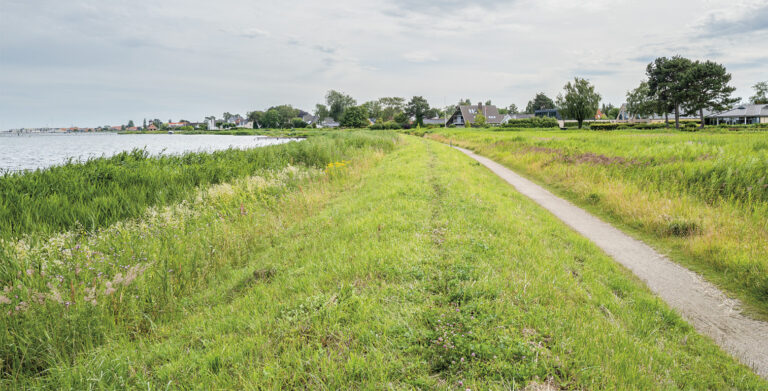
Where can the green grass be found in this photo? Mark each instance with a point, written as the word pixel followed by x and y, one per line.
pixel 414 269
pixel 703 197
pixel 102 191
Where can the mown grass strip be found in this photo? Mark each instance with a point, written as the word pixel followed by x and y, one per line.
pixel 698 196
pixel 431 273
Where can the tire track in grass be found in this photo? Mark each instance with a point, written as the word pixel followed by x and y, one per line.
pixel 710 311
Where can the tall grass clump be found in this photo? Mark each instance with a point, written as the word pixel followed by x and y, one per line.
pixel 101 191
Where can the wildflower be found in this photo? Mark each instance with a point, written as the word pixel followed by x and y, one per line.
pixel 30 272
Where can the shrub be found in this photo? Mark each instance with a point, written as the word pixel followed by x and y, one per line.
pixel 388 125
pixel 533 122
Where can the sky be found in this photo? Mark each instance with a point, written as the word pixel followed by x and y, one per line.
pixel 104 62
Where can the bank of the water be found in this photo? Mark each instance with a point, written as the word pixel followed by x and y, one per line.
pixel 100 191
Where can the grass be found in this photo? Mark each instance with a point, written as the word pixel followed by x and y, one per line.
pixel 703 197
pixel 412 269
pixel 99 192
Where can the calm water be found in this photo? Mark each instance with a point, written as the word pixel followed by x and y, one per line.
pixel 32 151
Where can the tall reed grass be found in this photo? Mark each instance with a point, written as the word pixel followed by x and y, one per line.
pixel 101 191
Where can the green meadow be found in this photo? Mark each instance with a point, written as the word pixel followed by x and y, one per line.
pixel 702 197
pixel 394 262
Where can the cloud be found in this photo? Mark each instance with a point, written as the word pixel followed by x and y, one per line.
pixel 750 20
pixel 420 57
pixel 253 32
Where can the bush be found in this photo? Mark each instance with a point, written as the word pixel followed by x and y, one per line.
pixel 534 122
pixel 388 125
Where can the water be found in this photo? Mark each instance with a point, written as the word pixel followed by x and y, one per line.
pixel 33 151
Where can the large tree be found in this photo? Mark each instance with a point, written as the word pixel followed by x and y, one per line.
pixel 257 117
pixel 354 117
pixel 579 100
pixel 373 108
pixel 417 107
pixel 666 81
pixel 761 93
pixel 321 112
pixel 337 103
pixel 391 106
pixel 706 87
pixel 640 103
pixel 130 124
pixel 512 109
pixel 540 102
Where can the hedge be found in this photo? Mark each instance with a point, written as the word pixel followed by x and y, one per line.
pixel 533 122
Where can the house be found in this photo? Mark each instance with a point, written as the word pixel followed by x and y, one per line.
pixel 464 114
pixel 309 119
pixel 508 117
pixel 178 124
pixel 328 123
pixel 434 121
pixel 552 113
pixel 742 114
pixel 131 128
pixel 151 127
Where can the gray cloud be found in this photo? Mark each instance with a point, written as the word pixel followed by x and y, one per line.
pixel 751 20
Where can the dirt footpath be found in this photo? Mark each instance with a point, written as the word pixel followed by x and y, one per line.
pixel 710 311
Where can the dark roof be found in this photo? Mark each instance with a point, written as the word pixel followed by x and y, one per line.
pixel 751 110
pixel 490 112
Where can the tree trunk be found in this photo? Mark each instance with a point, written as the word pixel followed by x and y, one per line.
pixel 580 122
pixel 701 114
pixel 666 119
pixel 677 116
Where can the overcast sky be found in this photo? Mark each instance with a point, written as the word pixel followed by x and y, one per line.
pixel 98 62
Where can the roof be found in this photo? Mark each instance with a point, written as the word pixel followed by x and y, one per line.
pixel 517 116
pixel 751 110
pixel 490 112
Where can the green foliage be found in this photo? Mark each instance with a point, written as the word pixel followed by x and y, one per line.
pixel 382 125
pixel 540 102
pixel 321 112
pixel 417 107
pixel 706 86
pixel 533 122
pixel 479 120
pixel 640 103
pixel 338 103
pixel 298 123
pixel 761 93
pixel 355 117
pixel 580 100
pixel 391 107
pixel 667 84
pixel 613 113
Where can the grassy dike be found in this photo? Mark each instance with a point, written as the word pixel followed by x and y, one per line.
pixel 700 197
pixel 417 269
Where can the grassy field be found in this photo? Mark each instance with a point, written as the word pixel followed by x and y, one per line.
pixel 415 268
pixel 702 197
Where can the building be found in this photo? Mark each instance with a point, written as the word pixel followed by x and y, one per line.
pixel 151 127
pixel 741 115
pixel 508 117
pixel 464 114
pixel 178 124
pixel 328 123
pixel 552 113
pixel 434 121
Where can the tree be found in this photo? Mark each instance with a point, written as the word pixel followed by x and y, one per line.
pixel 145 124
pixel 354 117
pixel 373 108
pixel 298 123
pixel 337 103
pixel 540 102
pixel 480 120
pixel 706 87
pixel 434 112
pixel 391 106
pixel 321 112
pixel 417 107
pixel 488 102
pixel 257 117
pixel 761 93
pixel 580 100
pixel 640 103
pixel 465 102
pixel 130 124
pixel 666 82
pixel 227 116
pixel 271 119
pixel 613 113
pixel 512 109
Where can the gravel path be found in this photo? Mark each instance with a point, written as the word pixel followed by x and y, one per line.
pixel 710 311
